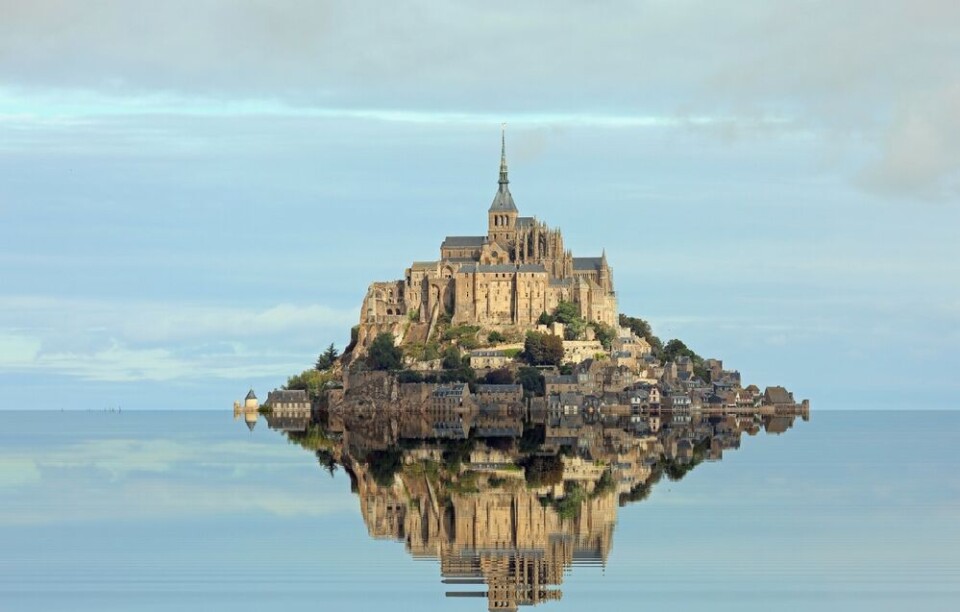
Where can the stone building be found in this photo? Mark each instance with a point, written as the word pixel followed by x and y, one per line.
pixel 504 279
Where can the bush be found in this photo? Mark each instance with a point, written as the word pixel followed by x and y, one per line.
pixel 495 337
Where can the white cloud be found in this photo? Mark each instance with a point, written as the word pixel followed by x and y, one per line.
pixel 122 341
pixel 857 70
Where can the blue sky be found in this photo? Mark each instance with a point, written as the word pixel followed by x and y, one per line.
pixel 192 207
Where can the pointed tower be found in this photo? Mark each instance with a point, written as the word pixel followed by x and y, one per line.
pixel 605 281
pixel 502 215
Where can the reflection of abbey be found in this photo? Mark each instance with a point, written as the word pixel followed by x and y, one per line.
pixel 506 278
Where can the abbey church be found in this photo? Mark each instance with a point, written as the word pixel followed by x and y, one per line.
pixel 506 278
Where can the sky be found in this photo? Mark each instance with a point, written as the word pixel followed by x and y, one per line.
pixel 195 195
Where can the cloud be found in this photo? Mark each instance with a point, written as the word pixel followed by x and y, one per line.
pixel 921 150
pixel 130 341
pixel 857 69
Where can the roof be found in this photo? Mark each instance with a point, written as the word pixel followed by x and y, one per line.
pixel 587 263
pixel 499 389
pixel 503 201
pixel 251 395
pixel 778 395
pixel 505 268
pixel 424 265
pixel 287 395
pixel 463 241
pixel 526 221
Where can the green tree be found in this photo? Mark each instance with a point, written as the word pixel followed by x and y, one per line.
pixel 384 354
pixel 643 330
pixel 542 349
pixel 495 337
pixel 327 358
pixel 540 470
pixel 532 381
pixel 451 358
pixel 604 333
pixel 384 465
pixel 503 376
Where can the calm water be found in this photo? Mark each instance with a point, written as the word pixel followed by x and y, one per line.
pixel 191 511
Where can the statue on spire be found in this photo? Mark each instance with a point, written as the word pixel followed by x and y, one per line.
pixel 503 155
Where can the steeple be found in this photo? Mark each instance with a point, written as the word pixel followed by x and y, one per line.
pixel 503 201
pixel 503 156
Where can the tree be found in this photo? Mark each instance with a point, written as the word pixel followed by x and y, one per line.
pixel 503 376
pixel 451 358
pixel 542 349
pixel 541 470
pixel 643 330
pixel 495 337
pixel 566 312
pixel 676 348
pixel 384 354
pixel 604 333
pixel 327 358
pixel 532 381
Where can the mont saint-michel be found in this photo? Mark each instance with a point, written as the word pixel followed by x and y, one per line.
pixel 504 280
pixel 512 319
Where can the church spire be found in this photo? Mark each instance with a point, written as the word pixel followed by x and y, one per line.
pixel 503 201
pixel 503 156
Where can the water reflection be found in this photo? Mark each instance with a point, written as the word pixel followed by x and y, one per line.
pixel 509 497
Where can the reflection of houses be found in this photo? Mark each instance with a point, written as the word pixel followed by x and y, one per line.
pixel 289 409
pixel 509 493
pixel 499 393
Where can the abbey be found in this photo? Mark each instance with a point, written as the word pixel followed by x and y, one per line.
pixel 506 278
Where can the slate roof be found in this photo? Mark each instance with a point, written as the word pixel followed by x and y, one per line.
pixel 525 222
pixel 507 268
pixel 778 395
pixel 503 201
pixel 482 389
pixel 587 263
pixel 283 396
pixel 251 395
pixel 464 241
